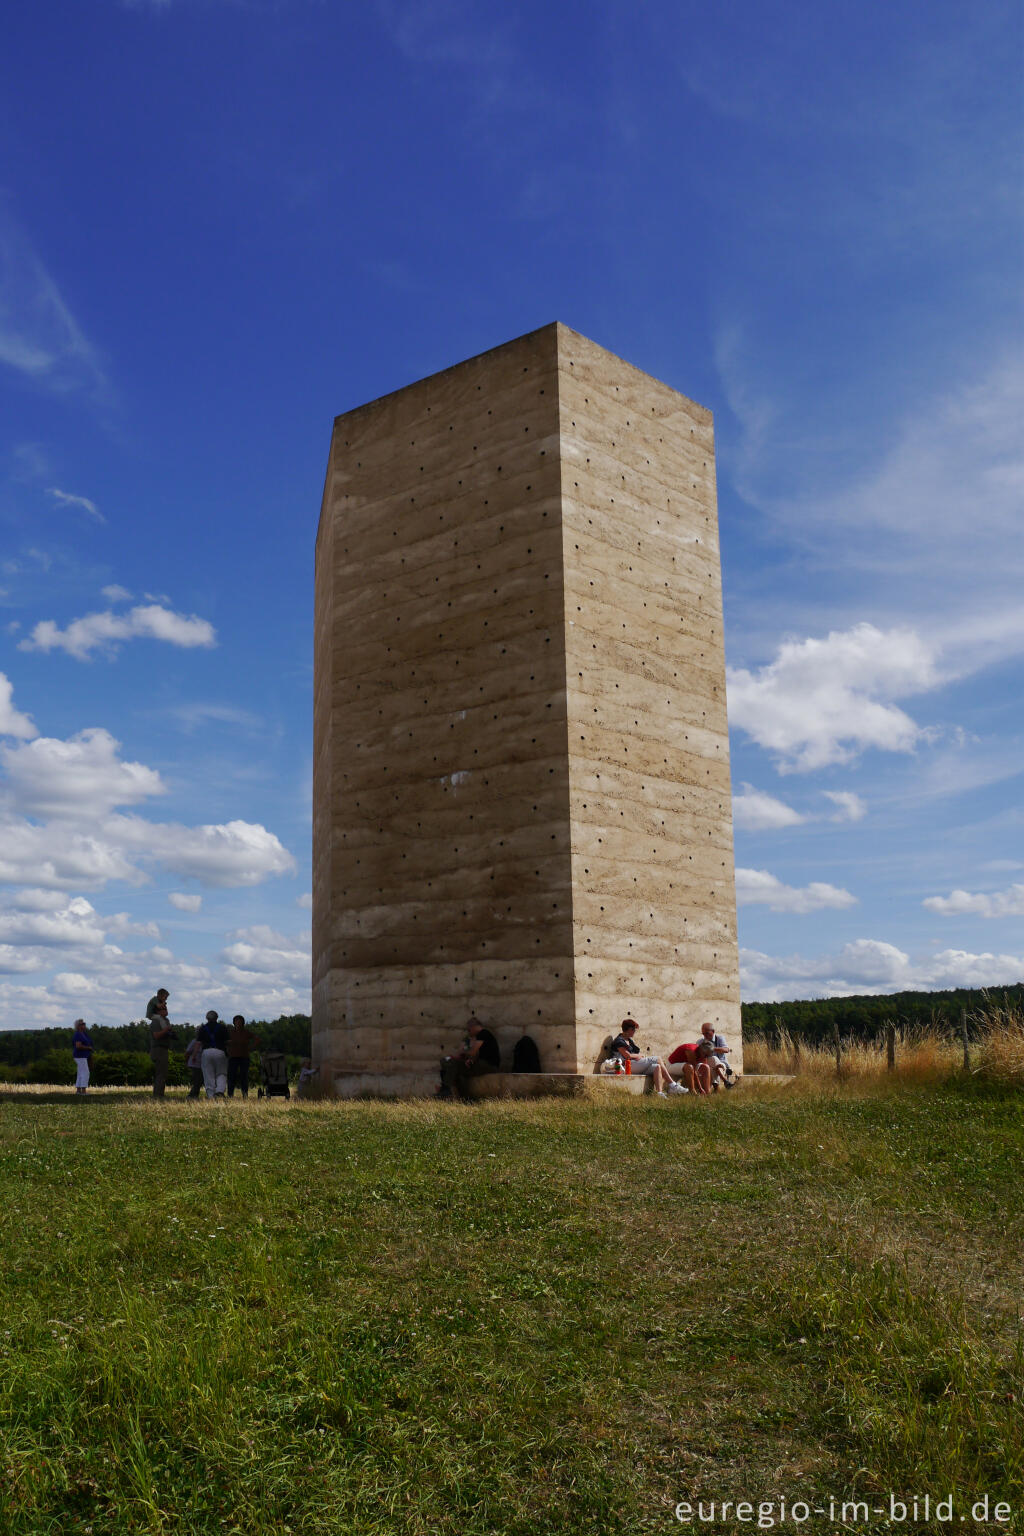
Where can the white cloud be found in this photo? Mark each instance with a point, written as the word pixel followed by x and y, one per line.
pixel 305 901
pixel 824 701
pixel 39 336
pixel 84 842
pixel 849 807
pixel 260 950
pixel 105 631
pixel 870 966
pixel 82 776
pixel 232 854
pixel 185 903
pixel 76 923
pixel 61 857
pixel 1008 903
pixel 116 594
pixel 12 721
pixel 66 499
pixel 756 887
pixel 755 811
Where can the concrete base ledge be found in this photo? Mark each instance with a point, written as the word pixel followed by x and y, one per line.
pixel 526 1085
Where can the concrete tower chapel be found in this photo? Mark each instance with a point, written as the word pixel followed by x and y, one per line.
pixel 521 760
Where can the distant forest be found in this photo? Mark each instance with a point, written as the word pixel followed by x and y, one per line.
pixel 863 1018
pixel 122 1051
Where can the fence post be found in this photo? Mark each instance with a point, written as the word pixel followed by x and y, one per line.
pixel 837 1047
pixel 963 1037
pixel 890 1047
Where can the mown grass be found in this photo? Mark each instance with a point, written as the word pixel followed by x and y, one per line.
pixel 515 1318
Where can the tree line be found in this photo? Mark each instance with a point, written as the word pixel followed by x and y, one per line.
pixel 122 1051
pixel 864 1018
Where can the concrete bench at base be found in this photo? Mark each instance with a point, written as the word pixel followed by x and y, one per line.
pixel 526 1085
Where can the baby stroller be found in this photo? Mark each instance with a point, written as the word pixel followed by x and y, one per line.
pixel 274 1075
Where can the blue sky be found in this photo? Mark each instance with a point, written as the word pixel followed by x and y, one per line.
pixel 224 221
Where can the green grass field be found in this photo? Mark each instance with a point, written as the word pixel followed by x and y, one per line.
pixel 511 1318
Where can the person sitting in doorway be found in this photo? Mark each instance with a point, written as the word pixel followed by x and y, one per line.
pixel 625 1046
pixel 479 1055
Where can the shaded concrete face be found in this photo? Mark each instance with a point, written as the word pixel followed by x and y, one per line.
pixel 521 783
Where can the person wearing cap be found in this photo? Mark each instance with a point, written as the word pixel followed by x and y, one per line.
pixel 645 1066
pixel 161 1035
pixel 81 1050
pixel 479 1054
pixel 214 1035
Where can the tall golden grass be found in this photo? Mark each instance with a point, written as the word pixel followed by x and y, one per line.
pixel 923 1051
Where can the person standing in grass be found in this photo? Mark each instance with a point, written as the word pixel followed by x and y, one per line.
pixel 240 1043
pixel 81 1050
pixel 214 1035
pixel 194 1063
pixel 161 1035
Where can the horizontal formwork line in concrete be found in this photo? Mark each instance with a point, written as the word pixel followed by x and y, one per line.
pixel 468 469
pixel 616 454
pixel 608 549
pixel 590 781
pixel 588 369
pixel 429 710
pixel 367 875
pixel 691 698
pixel 689 769
pixel 435 751
pixel 433 415
pixel 431 949
pixel 671 723
pixel 627 670
pixel 489 602
pixel 595 486
pixel 601 613
pixel 694 755
pixel 619 944
pixel 533 649
pixel 443 570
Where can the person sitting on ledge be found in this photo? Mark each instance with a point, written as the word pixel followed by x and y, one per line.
pixel 643 1066
pixel 479 1055
pixel 696 1074
pixel 714 1051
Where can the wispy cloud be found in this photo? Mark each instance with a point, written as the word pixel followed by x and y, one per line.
pixel 849 806
pixel 105 632
pixel 185 902
pixel 194 717
pixel 40 339
pixel 66 499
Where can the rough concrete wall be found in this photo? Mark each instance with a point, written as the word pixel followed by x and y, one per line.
pixel 654 910
pixel 442 877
